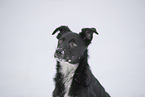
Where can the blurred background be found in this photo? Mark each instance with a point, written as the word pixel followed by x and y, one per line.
pixel 117 54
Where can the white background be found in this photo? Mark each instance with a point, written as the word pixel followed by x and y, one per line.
pixel 117 54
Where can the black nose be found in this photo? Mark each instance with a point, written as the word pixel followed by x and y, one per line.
pixel 59 52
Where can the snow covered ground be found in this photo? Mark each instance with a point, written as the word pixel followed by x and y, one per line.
pixel 117 55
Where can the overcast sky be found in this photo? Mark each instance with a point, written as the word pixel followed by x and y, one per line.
pixel 117 54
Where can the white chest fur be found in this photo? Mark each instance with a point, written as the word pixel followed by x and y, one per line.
pixel 68 71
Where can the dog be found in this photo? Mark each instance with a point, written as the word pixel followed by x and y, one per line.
pixel 73 76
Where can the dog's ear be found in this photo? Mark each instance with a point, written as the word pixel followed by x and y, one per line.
pixel 87 34
pixel 62 30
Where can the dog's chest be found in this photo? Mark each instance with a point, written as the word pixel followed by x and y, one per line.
pixel 67 71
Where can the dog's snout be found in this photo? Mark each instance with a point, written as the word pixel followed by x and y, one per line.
pixel 59 51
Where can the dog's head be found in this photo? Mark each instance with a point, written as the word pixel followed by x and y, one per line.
pixel 71 46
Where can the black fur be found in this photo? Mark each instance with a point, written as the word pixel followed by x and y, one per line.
pixel 58 83
pixel 84 83
pixel 87 34
pixel 62 29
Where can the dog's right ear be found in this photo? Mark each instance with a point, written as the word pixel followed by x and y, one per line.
pixel 62 30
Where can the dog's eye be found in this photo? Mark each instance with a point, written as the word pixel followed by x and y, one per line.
pixel 72 44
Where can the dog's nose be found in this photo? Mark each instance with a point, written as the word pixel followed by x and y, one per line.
pixel 59 51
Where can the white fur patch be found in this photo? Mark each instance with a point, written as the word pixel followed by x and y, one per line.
pixel 68 71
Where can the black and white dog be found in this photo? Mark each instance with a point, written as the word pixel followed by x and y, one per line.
pixel 74 77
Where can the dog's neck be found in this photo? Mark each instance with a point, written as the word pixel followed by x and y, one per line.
pixel 67 70
pixel 74 74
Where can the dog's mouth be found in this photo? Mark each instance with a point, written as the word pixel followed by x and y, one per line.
pixel 62 58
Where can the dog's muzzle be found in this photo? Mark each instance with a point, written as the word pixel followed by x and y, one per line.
pixel 59 53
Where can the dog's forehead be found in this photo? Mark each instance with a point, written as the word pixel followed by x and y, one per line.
pixel 72 35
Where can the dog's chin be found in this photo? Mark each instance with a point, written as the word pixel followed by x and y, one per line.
pixel 63 60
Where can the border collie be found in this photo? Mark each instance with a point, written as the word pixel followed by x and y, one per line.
pixel 74 77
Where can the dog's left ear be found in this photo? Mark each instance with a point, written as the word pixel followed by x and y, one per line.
pixel 62 29
pixel 87 34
